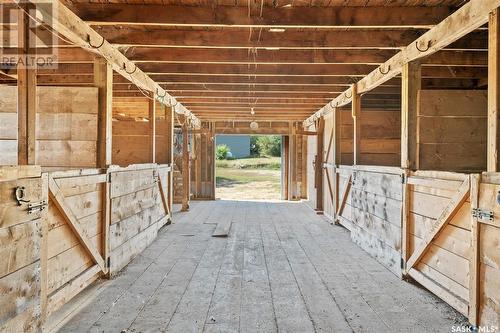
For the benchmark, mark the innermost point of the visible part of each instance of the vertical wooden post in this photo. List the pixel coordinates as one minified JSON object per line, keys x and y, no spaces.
{"x":493,"y":89}
{"x":169,"y":118}
{"x":199,"y":153}
{"x":44,"y":251}
{"x":211,"y":157}
{"x":318,"y":170}
{"x":26,"y":95}
{"x":405,"y":232}
{"x":152,"y":130}
{"x":356,"y":115}
{"x":292,"y":157}
{"x":185,"y":165}
{"x":303,"y":174}
{"x":337,"y":160}
{"x":474,"y":258}
{"x":337,"y":137}
{"x":410,"y":85}
{"x":285,"y":162}
{"x":103,"y":80}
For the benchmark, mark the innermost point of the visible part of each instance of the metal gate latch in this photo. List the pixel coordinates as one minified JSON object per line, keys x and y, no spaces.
{"x":20,"y":193}
{"x":34,"y":207}
{"x":482,"y":214}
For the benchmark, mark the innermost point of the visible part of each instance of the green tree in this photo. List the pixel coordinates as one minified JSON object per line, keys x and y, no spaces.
{"x":268,"y":145}
{"x":222,"y":151}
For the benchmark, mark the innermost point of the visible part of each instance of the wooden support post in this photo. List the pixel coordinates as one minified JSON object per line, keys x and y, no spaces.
{"x":318,"y":170}
{"x":356,"y":115}
{"x":198,"y":164}
{"x":26,"y":94}
{"x":152,"y":130}
{"x":169,"y":118}
{"x":303,"y":169}
{"x":474,"y":257}
{"x":185,"y":165}
{"x":285,"y":162}
{"x":211,"y":158}
{"x":410,"y":85}
{"x":292,"y":157}
{"x":103,"y":80}
{"x":337,"y":160}
{"x":493,"y":89}
{"x":337,"y":132}
{"x":405,"y":230}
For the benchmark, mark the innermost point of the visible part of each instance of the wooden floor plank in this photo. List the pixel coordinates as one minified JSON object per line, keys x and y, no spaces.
{"x":282,"y":268}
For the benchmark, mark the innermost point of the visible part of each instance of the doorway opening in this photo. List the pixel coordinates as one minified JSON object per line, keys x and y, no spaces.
{"x":248,"y":167}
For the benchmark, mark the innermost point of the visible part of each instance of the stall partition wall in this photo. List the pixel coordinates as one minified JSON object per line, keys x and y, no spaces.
{"x":66,"y":126}
{"x":62,"y":230}
{"x":438,"y":227}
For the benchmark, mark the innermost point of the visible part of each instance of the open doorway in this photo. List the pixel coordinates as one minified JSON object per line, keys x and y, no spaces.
{"x":248,"y":167}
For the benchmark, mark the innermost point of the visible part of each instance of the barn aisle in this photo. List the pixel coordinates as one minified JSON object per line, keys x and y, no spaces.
{"x":283,"y":268}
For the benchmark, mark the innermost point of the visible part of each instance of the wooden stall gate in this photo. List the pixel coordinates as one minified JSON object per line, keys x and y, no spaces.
{"x":62,"y":230}
{"x":368,"y":201}
{"x":441,"y":229}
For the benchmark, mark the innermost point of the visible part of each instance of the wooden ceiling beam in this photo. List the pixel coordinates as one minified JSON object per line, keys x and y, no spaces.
{"x":297,"y":57}
{"x":236,"y":16}
{"x":467,"y":18}
{"x":69,"y":25}
{"x":275,"y":71}
{"x":274,"y":57}
{"x":294,"y":39}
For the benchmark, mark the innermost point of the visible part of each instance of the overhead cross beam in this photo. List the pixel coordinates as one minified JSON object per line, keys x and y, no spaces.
{"x":291,"y":39}
{"x":238,"y":16}
{"x":66,"y":23}
{"x":469,"y":17}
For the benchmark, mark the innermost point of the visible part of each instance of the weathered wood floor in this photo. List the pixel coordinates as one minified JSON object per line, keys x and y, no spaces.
{"x":283,"y":268}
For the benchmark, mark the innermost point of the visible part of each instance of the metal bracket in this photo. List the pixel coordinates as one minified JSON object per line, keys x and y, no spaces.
{"x":403,"y":178}
{"x":39,"y":206}
{"x":482,"y":214}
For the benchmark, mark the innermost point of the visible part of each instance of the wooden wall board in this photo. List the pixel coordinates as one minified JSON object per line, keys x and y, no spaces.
{"x":8,"y":125}
{"x":451,"y":124}
{"x":66,"y":131}
{"x":20,"y":248}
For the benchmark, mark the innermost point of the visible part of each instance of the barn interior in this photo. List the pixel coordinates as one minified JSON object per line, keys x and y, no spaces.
{"x":389,"y":218}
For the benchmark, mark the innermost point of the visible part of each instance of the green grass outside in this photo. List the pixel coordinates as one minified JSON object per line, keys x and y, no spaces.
{"x":266,"y":163}
{"x":249,"y":178}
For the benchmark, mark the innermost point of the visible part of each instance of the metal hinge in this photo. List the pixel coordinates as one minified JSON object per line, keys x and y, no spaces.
{"x":403,"y":178}
{"x":482,"y":214}
{"x":34,"y":207}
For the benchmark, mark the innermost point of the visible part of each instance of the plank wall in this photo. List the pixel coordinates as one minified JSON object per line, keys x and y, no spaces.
{"x":452,"y":130}
{"x":20,"y":244}
{"x":131,"y":142}
{"x":380,"y":138}
{"x":66,"y":131}
{"x":8,"y":125}
{"x":137,"y":213}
